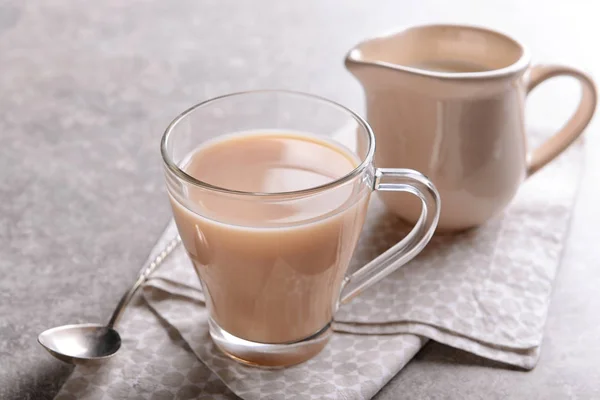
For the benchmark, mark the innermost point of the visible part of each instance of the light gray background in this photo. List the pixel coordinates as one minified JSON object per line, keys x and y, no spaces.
{"x":86,"y":88}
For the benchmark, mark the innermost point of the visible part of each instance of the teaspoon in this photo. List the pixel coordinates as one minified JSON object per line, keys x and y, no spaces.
{"x":92,"y":342}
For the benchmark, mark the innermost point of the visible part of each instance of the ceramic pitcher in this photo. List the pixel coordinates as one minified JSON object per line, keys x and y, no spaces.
{"x":448,"y":100}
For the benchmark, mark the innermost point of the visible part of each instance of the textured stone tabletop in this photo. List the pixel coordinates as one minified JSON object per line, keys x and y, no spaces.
{"x":86,"y":89}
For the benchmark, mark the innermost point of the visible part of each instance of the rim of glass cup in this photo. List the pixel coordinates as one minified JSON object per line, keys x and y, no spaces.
{"x":365,"y":162}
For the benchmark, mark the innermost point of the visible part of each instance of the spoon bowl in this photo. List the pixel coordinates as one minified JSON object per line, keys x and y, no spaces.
{"x":81,"y":343}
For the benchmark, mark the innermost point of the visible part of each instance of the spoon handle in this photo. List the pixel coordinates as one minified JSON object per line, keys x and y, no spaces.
{"x":143,"y":276}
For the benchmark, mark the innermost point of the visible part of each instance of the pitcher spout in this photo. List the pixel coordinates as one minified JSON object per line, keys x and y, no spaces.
{"x":366,"y":68}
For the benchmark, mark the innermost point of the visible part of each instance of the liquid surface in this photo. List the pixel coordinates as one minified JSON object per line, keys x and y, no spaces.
{"x":269,"y":162}
{"x":271,"y":270}
{"x":450,"y":66}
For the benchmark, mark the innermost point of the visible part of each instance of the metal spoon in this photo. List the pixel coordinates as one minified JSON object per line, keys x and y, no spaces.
{"x":92,"y":342}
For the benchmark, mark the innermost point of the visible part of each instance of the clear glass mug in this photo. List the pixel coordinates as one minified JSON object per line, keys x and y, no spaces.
{"x":272,"y":287}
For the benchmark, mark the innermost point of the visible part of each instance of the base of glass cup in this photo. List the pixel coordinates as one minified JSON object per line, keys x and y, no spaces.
{"x":269,"y":355}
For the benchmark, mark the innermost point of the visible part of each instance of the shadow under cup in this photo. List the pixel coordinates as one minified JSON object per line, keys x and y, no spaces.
{"x":272,"y":284}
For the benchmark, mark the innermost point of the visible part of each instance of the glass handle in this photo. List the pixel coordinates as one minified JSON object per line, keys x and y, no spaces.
{"x":398,"y":180}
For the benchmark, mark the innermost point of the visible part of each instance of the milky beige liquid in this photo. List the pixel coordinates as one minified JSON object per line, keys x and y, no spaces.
{"x":450,"y":66}
{"x":272,"y":270}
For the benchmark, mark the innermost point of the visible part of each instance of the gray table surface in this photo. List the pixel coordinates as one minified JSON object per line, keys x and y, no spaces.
{"x":86,"y":89}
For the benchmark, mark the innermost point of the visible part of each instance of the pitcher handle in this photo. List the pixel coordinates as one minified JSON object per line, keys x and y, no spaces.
{"x":398,"y":180}
{"x":574,"y":126}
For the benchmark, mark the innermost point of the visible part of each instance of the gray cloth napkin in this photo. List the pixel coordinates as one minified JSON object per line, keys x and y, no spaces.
{"x":485,"y":291}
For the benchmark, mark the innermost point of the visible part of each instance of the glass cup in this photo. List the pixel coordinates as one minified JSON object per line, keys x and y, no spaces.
{"x":272,"y":285}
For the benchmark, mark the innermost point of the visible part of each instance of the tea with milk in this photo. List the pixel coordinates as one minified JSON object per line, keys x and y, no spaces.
{"x":273,"y":271}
